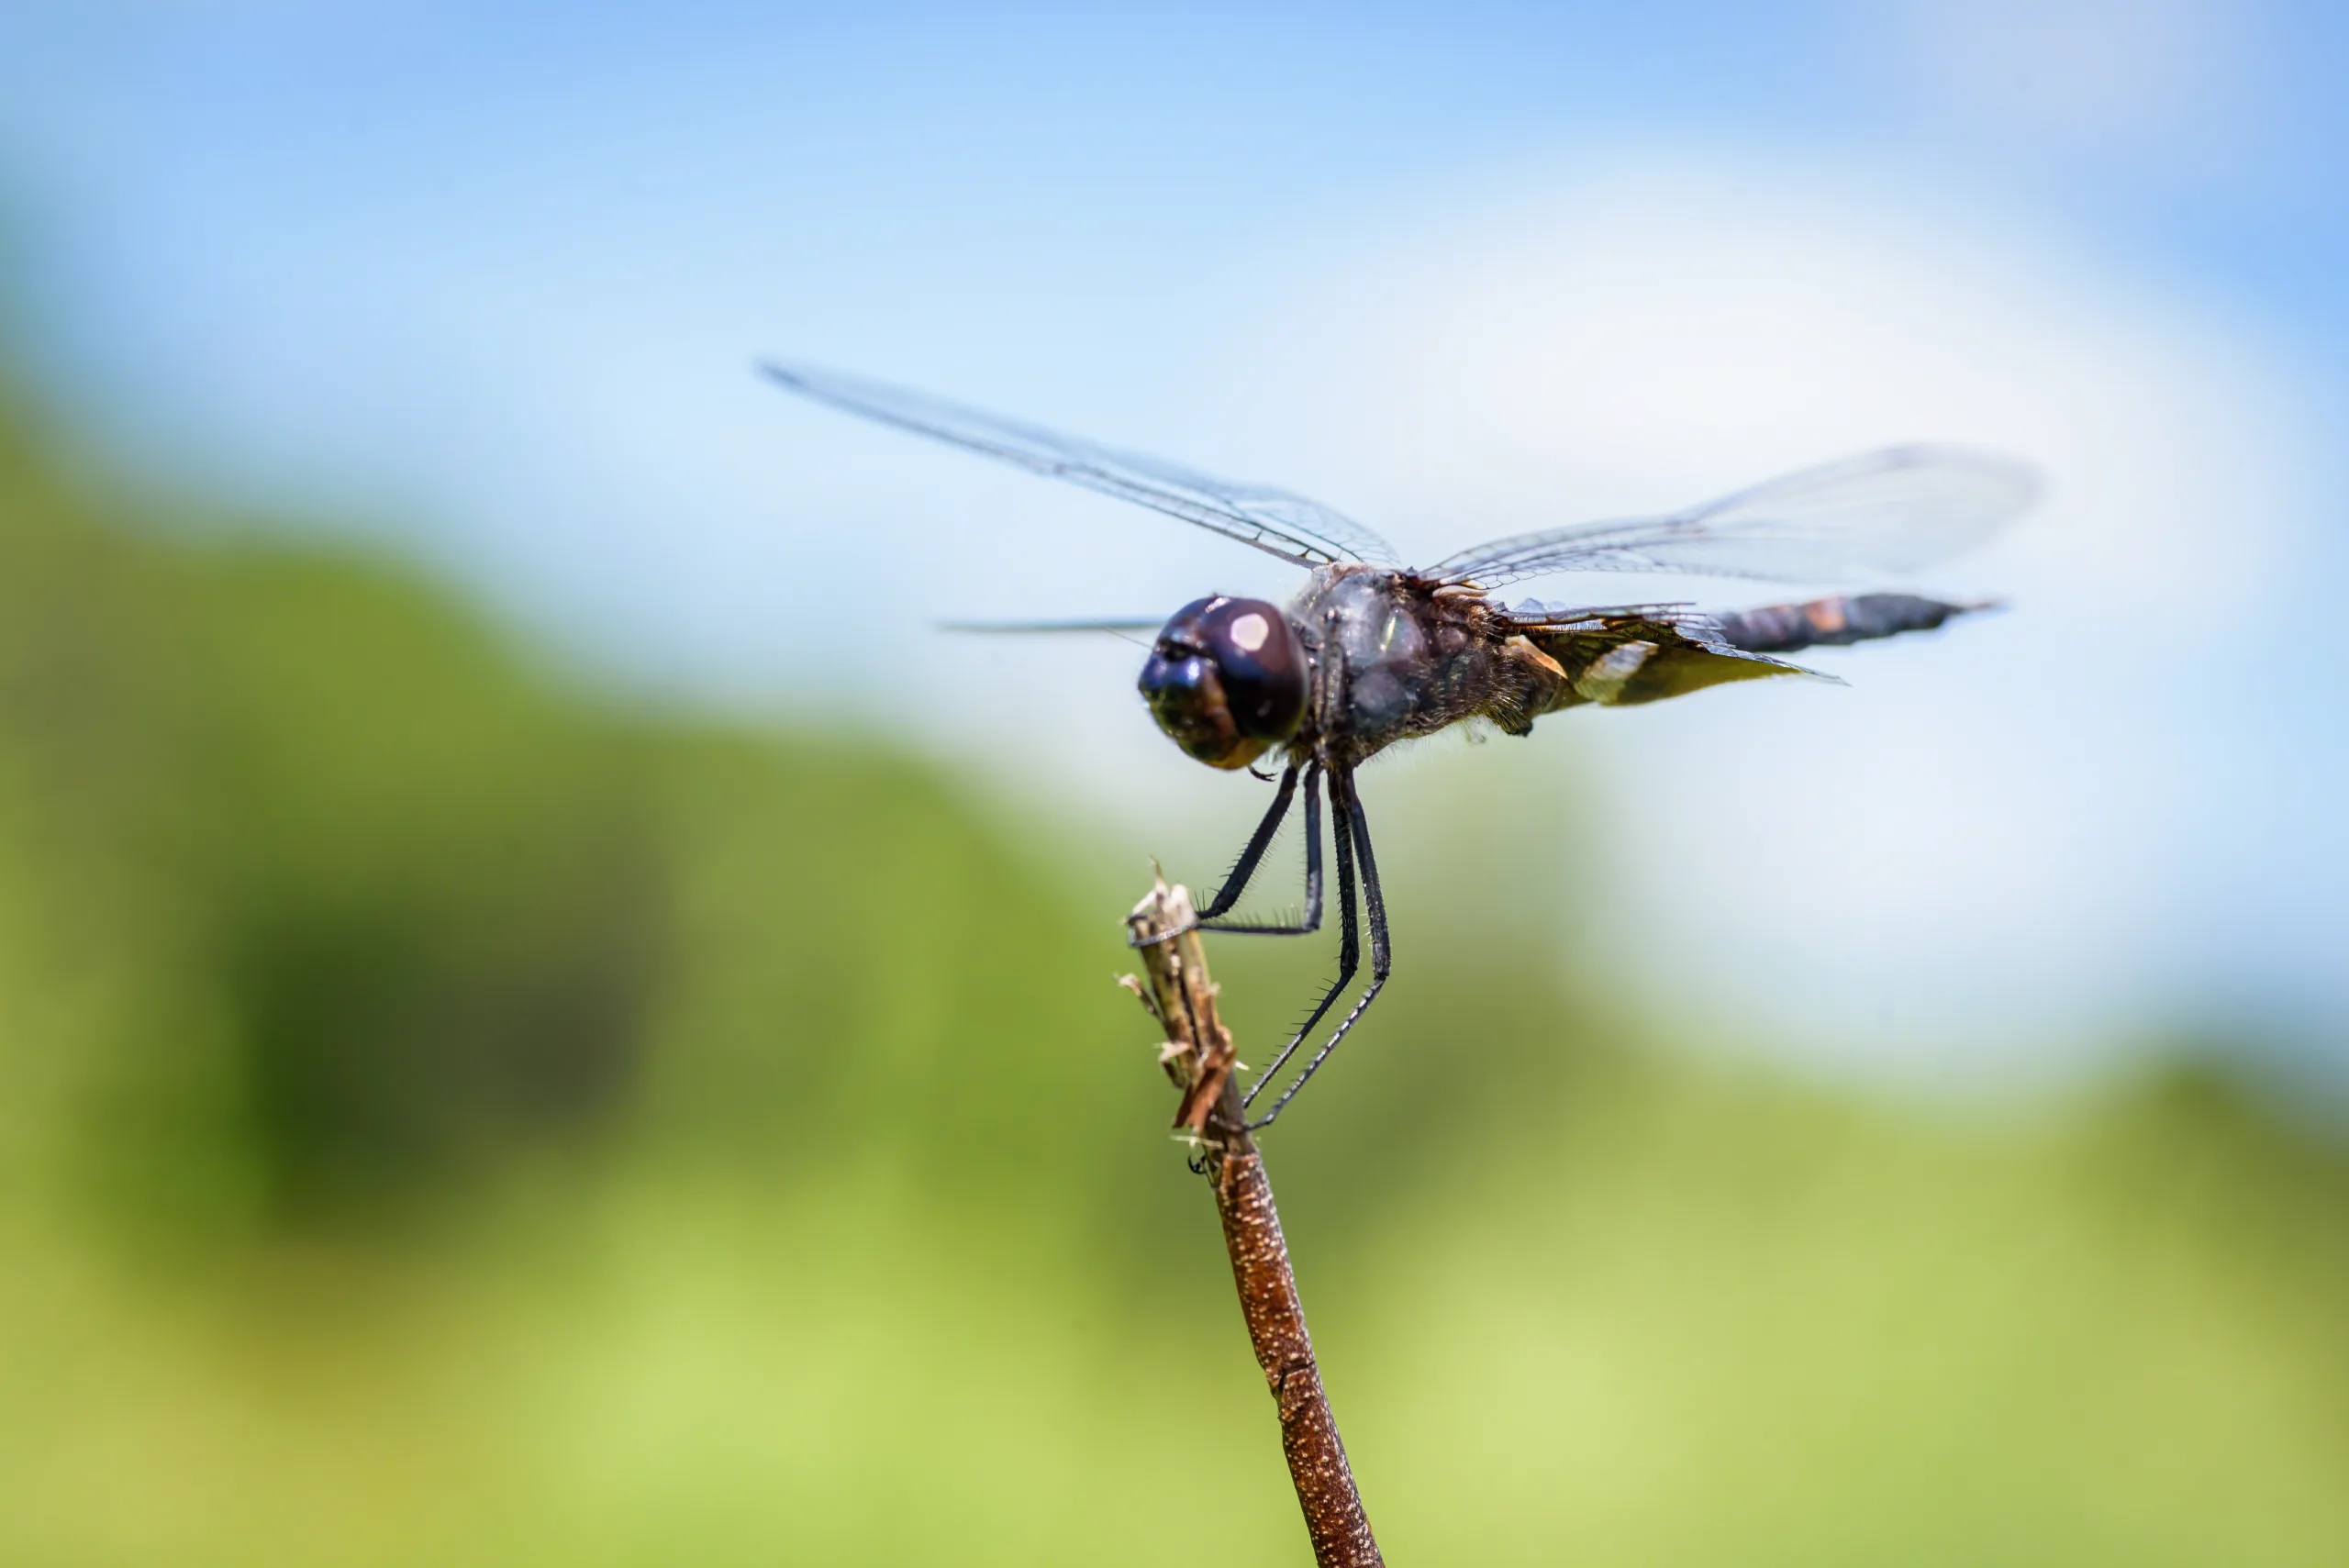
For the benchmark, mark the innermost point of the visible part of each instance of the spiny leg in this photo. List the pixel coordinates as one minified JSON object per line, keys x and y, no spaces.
{"x":1254,"y":853}
{"x":1346,"y":807}
{"x":1349,"y":936}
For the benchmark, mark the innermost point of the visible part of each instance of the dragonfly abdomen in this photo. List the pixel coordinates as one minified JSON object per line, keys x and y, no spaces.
{"x":1836,"y":622}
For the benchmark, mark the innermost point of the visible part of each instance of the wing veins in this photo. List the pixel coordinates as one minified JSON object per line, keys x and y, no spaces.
{"x":1293,"y":527}
{"x":1894,"y":509}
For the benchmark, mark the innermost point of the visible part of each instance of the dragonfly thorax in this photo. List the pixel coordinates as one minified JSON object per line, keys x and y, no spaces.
{"x":1227,"y":679}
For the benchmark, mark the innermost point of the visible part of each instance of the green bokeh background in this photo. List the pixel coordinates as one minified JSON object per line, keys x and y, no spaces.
{"x":450,"y":1116}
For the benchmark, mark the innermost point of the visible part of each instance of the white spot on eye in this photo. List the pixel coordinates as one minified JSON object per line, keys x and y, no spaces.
{"x":1250,"y":632}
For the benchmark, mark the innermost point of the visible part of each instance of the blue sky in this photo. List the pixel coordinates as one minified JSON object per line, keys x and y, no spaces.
{"x":489,"y":278}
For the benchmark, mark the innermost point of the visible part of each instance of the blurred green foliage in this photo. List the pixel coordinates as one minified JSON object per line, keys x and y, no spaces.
{"x":450,"y":1117}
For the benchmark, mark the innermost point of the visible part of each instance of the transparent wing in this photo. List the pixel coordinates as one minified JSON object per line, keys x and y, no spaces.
{"x":1529,"y":613}
{"x":1117,"y":624}
{"x":1893,"y":510}
{"x":1275,"y":521}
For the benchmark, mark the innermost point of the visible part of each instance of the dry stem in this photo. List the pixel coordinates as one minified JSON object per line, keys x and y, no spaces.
{"x":1198,"y":1057}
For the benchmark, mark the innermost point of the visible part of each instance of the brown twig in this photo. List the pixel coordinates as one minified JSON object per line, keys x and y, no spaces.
{"x":1198,"y":1056}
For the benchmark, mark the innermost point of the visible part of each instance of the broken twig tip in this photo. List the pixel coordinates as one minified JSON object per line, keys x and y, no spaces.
{"x":1211,"y":1121}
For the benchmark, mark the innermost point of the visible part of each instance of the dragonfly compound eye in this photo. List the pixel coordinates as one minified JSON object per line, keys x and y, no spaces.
{"x":1225,"y":680}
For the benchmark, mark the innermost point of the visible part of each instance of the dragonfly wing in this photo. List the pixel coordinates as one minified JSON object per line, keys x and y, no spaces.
{"x":1630,"y":654}
{"x":1276,"y":521}
{"x":1893,"y":510}
{"x":1120,"y":625}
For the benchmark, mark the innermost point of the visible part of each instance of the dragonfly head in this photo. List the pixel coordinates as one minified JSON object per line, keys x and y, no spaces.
{"x":1227,"y":679}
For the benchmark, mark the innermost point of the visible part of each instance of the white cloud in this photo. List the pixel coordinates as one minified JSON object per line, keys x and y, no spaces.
{"x":2097,"y":73}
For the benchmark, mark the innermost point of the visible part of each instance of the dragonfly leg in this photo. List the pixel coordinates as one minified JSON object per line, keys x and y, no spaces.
{"x":1252,"y":854}
{"x":1349,"y":937}
{"x":1346,"y":807}
{"x":1228,"y":894}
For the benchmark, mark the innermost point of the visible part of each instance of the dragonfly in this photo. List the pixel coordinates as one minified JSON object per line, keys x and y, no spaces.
{"x":1370,"y":653}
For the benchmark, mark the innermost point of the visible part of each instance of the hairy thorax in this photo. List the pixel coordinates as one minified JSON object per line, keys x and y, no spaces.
{"x":1396,"y":657}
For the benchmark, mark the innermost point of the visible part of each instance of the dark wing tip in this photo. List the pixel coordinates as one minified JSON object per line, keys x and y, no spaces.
{"x":782,"y":372}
